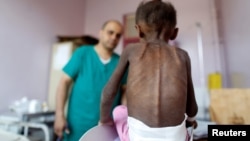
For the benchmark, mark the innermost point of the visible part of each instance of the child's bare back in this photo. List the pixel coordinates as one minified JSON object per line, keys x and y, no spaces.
{"x":159,"y":88}
{"x":157,"y":84}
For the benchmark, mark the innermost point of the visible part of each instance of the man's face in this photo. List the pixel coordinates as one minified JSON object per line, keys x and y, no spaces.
{"x":110,"y":35}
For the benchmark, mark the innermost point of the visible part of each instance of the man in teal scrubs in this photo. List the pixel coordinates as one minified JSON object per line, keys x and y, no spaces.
{"x":89,"y":69}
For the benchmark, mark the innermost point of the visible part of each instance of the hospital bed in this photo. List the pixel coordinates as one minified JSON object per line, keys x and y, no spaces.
{"x":9,"y":136}
{"x":20,"y":129}
{"x":12,"y":136}
{"x":109,"y":133}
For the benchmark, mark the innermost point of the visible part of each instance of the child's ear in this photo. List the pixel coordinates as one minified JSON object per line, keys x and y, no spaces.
{"x":139,"y":30}
{"x":137,"y":27}
{"x":174,"y":34}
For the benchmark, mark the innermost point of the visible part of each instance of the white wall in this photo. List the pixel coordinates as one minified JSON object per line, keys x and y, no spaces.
{"x":28,"y":28}
{"x":234,"y":21}
{"x":189,"y":13}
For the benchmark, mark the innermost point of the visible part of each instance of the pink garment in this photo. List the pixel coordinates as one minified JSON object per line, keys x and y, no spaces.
{"x":120,"y":115}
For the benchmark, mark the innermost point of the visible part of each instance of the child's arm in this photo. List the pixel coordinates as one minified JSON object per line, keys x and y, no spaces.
{"x":191,"y":107}
{"x":191,"y":121}
{"x":123,"y":99}
{"x":113,"y":85}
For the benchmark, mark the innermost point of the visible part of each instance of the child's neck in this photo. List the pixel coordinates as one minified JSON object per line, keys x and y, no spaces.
{"x":154,"y":37}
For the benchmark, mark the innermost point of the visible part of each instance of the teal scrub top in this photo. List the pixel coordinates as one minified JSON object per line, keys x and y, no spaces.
{"x":90,"y":76}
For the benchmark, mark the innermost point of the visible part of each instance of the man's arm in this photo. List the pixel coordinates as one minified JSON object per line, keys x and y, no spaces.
{"x":112,"y":87}
{"x":61,"y":97}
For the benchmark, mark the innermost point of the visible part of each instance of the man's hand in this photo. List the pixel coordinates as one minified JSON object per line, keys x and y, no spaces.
{"x":60,"y":125}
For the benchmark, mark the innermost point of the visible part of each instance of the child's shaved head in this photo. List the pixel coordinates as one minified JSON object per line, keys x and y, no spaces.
{"x":157,"y":14}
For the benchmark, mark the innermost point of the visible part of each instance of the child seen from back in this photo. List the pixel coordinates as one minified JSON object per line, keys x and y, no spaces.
{"x":160,"y":94}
